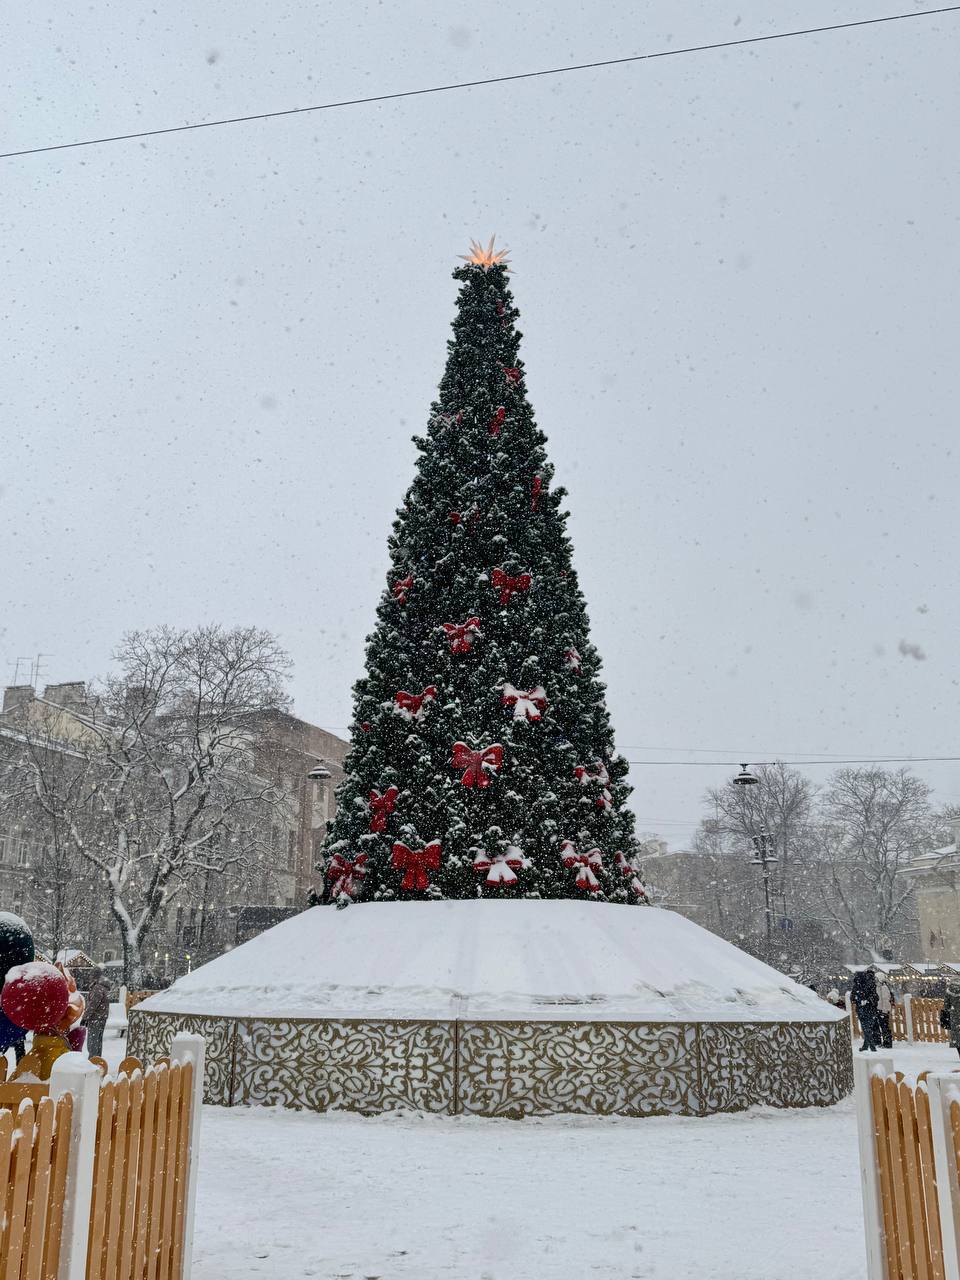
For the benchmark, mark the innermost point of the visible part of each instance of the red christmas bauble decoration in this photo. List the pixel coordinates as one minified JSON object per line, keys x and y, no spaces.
{"x":35,"y":996}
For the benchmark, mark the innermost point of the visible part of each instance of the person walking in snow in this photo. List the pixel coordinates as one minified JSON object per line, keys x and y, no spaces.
{"x":885,"y":1002}
{"x":95,"y":1014}
{"x":950,"y":1013}
{"x":863,"y":994}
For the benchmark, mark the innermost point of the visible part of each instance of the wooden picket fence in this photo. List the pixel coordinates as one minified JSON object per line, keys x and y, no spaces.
{"x":914,"y":1019}
{"x":102,"y":1171}
{"x":34,"y":1146}
{"x":909,"y":1135}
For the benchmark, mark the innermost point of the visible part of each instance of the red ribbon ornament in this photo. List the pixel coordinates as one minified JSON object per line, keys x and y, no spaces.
{"x":536,"y":488}
{"x":598,"y":773}
{"x":461,"y":635}
{"x":508,"y":586}
{"x":381,"y":807}
{"x":412,"y":705}
{"x":478,"y":766}
{"x":501,"y":870}
{"x":345,"y":875}
{"x":587,"y":864}
{"x":512,"y":375}
{"x":527,"y":704}
{"x":624,"y":865}
{"x":415,"y":865}
{"x":401,"y":588}
{"x":572,"y":660}
{"x":495,"y":424}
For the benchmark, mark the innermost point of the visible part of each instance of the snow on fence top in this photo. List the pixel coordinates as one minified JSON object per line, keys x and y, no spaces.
{"x":546,"y":960}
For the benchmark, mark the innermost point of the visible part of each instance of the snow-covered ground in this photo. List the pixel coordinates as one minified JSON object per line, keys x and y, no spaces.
{"x":768,"y":1195}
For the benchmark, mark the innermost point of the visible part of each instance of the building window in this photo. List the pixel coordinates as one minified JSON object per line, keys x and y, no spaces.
{"x":21,"y":851}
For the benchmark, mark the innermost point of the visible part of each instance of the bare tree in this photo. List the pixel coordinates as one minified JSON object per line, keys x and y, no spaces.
{"x":873,"y":822}
{"x":164,"y":781}
{"x":779,"y":807}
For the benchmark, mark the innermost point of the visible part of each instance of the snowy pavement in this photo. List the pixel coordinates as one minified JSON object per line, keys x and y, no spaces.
{"x":767,"y":1195}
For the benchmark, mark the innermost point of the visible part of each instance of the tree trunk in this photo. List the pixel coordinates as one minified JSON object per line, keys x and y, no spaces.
{"x":133,"y":972}
{"x":131,"y":940}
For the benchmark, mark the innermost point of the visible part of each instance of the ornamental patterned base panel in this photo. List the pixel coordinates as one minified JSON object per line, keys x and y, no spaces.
{"x":354,"y":1066}
{"x":594,"y":1068}
{"x":511,"y":1069}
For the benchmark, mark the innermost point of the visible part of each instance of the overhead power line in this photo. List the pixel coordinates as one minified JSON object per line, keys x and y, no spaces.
{"x":477,"y":84}
{"x":733,"y":764}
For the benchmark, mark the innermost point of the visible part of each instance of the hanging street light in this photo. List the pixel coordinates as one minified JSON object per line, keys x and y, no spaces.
{"x":762,"y":856}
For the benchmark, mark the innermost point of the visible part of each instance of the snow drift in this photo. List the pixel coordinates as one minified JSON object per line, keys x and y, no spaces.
{"x":563,"y":960}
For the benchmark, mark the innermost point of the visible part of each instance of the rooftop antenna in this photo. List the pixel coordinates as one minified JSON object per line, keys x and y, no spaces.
{"x":36,"y":668}
{"x":16,"y":669}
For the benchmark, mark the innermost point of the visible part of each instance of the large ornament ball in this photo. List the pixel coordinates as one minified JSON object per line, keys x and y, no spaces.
{"x":16,"y":942}
{"x":10,"y":1033}
{"x":35,"y":996}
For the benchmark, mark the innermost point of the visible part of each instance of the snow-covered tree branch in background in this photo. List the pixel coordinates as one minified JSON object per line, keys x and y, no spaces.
{"x":165,"y":774}
{"x":872,"y":823}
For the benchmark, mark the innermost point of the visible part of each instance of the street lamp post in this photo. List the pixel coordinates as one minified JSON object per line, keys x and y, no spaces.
{"x":762,"y":856}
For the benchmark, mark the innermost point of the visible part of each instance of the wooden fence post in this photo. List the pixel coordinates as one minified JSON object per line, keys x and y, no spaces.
{"x":908,"y":1017}
{"x":190,"y":1048}
{"x":75,"y":1073}
{"x":865,"y":1066}
{"x":943,"y":1089}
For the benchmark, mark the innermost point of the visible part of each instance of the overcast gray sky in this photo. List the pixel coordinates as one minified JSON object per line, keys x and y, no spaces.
{"x":738,"y":278}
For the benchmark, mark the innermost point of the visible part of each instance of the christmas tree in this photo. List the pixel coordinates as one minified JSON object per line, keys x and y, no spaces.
{"x":482,"y":760}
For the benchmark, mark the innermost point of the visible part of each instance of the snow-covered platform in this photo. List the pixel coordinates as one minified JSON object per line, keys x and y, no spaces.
{"x":502,"y":1008}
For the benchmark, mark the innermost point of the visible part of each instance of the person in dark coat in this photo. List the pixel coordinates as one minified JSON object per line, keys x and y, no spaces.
{"x":886,"y":999}
{"x":950,"y":1017}
{"x":865,"y":999}
{"x":96,"y":1012}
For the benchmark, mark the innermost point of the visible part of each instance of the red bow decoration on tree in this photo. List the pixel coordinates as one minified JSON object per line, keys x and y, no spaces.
{"x":528,"y":705}
{"x":497,"y":421}
{"x":630,"y":868}
{"x":512,"y":375}
{"x":508,"y":586}
{"x":536,"y":488}
{"x":572,"y":660}
{"x":345,"y":876}
{"x":381,"y":807}
{"x":415,"y":863}
{"x":597,"y":774}
{"x":501,"y":869}
{"x":401,"y":588}
{"x":462,"y":634}
{"x":478,"y":766}
{"x":412,"y":705}
{"x":588,"y":865}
